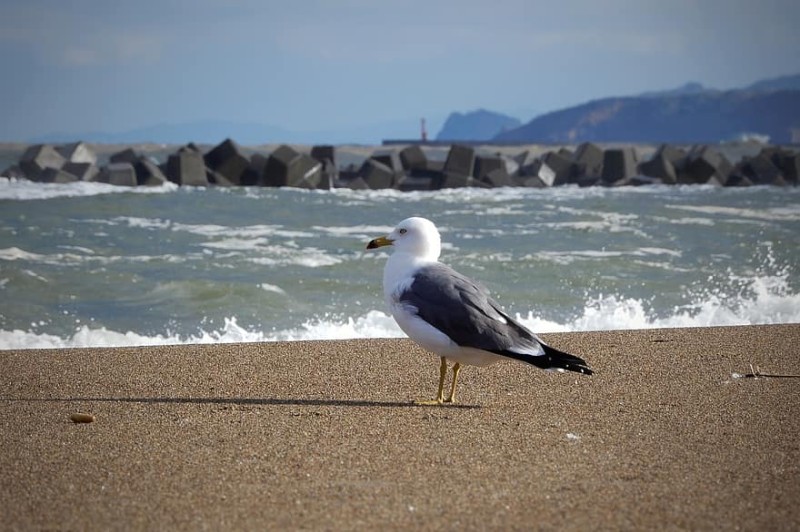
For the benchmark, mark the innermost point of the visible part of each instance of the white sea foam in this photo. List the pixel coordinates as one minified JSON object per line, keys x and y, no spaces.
{"x":763,"y":300}
{"x":21,"y":189}
{"x":139,"y":223}
{"x":207,"y":230}
{"x":309,"y":257}
{"x":687,"y":220}
{"x":15,"y":253}
{"x":357,"y":231}
{"x":237,"y":244}
{"x":72,"y":259}
{"x":780,"y":214}
{"x":80,"y":249}
{"x":601,"y":221}
{"x":35,"y":275}
{"x":567,"y":257}
{"x":374,"y":324}
{"x":470,"y":195}
{"x":248,"y":231}
{"x":271,"y":288}
{"x":271,"y":255}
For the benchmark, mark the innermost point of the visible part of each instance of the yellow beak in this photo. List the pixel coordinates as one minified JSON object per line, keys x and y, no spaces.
{"x":379,"y":242}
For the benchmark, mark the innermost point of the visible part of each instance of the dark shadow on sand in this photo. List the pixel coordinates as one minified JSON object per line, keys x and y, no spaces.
{"x":243,"y":401}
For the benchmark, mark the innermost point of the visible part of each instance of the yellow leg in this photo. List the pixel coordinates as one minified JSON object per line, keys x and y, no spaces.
{"x":456,"y":370}
{"x":440,"y":395}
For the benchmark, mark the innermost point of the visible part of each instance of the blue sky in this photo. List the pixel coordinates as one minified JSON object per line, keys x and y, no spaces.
{"x":306,"y":65}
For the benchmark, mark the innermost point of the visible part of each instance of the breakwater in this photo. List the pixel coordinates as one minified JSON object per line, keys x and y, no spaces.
{"x":413,"y":167}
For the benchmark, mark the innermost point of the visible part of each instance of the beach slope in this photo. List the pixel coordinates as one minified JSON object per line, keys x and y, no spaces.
{"x":324,"y":435}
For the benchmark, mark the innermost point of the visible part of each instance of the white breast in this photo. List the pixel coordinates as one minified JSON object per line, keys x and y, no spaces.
{"x":429,"y":337}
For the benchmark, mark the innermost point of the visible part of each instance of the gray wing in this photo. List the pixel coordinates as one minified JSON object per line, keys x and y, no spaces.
{"x":464,"y":311}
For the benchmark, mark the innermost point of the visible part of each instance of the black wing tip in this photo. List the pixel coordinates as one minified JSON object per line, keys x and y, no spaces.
{"x":584,"y":370}
{"x":555,"y":359}
{"x":552,"y":360}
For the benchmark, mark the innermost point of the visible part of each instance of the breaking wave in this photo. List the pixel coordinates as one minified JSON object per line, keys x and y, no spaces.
{"x":758,"y":301}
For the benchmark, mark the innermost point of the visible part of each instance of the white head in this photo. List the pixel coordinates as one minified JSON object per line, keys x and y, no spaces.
{"x":416,"y":236}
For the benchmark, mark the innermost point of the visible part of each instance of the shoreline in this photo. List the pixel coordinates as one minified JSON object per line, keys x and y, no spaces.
{"x":322,"y":434}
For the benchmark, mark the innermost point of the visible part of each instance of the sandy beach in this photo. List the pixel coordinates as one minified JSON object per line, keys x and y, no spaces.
{"x":324,"y":435}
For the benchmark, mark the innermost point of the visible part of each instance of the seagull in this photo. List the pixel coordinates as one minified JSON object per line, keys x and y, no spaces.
{"x":451,"y":315}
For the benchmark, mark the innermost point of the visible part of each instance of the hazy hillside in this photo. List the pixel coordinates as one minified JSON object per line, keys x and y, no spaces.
{"x":689,"y":88}
{"x":706,"y":116}
{"x":476,"y":125}
{"x":781,"y":83}
{"x":690,"y":113}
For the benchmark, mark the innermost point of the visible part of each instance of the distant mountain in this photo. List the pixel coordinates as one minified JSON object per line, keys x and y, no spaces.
{"x":214,"y":131}
{"x":476,"y":125}
{"x":689,"y":88}
{"x":776,"y":84}
{"x":690,"y":114}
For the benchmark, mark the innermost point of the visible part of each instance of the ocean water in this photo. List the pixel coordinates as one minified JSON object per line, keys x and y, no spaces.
{"x":95,"y":265}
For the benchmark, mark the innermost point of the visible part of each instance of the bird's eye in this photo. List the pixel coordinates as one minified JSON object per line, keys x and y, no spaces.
{"x":403,"y":231}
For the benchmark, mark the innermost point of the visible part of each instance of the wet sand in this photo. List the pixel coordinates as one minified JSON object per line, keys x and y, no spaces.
{"x":323,"y":435}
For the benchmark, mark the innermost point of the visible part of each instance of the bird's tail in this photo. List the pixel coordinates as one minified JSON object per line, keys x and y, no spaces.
{"x":553,"y":359}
